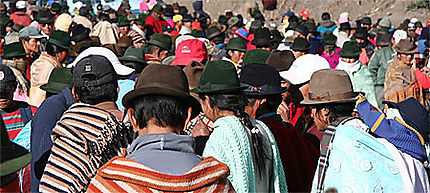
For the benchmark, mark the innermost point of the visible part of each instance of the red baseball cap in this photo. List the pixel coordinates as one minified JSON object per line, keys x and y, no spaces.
{"x":190,"y":50}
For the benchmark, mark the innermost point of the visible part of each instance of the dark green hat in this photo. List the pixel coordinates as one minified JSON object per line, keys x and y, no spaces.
{"x":123,"y":21}
{"x":256,"y":56}
{"x":237,"y":43}
{"x":161,"y":40}
{"x":13,"y":50}
{"x":158,"y":9}
{"x":329,"y":38}
{"x":55,"y":7}
{"x":350,"y":49}
{"x":197,"y":33}
{"x":60,"y":39}
{"x":141,"y":20}
{"x":59,"y":79}
{"x":133,"y":54}
{"x":219,"y":77}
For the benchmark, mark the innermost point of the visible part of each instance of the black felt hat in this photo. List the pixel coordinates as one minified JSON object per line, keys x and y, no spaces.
{"x":260,"y":80}
{"x":301,"y":44}
{"x":262,"y":37}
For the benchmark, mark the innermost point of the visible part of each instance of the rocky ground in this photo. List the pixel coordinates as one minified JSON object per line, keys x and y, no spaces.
{"x":395,"y":9}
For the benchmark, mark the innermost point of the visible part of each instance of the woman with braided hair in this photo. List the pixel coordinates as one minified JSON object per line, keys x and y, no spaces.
{"x":245,"y":145}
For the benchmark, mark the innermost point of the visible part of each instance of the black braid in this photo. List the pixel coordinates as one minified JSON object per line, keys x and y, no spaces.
{"x":237,"y":104}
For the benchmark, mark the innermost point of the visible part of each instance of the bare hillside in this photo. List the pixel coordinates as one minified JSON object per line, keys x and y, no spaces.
{"x":395,"y":9}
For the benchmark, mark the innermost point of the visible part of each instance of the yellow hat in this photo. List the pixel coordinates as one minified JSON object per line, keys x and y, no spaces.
{"x":177,"y":18}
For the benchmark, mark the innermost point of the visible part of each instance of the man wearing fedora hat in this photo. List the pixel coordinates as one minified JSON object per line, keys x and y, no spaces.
{"x":159,"y":107}
{"x":379,"y":62}
{"x":300,"y":47}
{"x":157,"y":48}
{"x":399,"y":73}
{"x":262,"y":39}
{"x":14,"y":56}
{"x":236,"y":49}
{"x":125,"y":30}
{"x":361,"y":37}
{"x":154,"y":22}
{"x":299,"y":156}
{"x":217,"y":38}
{"x":332,"y":100}
{"x":331,"y":51}
{"x":56,"y":51}
{"x":45,"y":20}
{"x":360,"y":76}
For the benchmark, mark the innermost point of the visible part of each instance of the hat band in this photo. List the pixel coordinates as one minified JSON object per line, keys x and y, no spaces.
{"x":216,"y":87}
{"x":164,"y":85}
{"x":20,"y":65}
{"x":331,"y":97}
{"x":261,"y":89}
{"x":157,"y":43}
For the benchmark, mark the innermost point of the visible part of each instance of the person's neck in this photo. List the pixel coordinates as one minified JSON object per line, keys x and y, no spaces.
{"x":224,"y":113}
{"x":155,"y":129}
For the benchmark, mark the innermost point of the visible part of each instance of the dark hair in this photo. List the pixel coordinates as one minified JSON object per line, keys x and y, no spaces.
{"x":150,"y":49}
{"x":103,"y":16}
{"x":272,"y":101}
{"x":52,"y":49}
{"x":219,"y":39}
{"x":237,"y":103}
{"x":165,"y":111}
{"x":97,"y":94}
{"x":336,"y":110}
{"x":137,"y":66}
{"x":7,"y":88}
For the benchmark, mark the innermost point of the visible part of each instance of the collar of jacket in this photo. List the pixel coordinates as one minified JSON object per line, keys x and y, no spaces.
{"x":162,"y":141}
{"x":207,"y":172}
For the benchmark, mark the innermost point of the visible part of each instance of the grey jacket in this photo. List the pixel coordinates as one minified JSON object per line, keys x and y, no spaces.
{"x":167,"y":153}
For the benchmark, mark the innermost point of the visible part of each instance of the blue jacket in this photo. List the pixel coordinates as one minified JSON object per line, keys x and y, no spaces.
{"x":49,"y":112}
{"x":401,"y":135}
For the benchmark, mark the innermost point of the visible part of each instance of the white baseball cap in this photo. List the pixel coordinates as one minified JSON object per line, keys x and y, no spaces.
{"x":100,"y":51}
{"x":303,"y":67}
{"x":20,"y":5}
{"x":399,"y":35}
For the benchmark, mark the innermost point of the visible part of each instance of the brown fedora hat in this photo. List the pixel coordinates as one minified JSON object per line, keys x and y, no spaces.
{"x":406,"y":46}
{"x":330,"y":86}
{"x":169,"y":80}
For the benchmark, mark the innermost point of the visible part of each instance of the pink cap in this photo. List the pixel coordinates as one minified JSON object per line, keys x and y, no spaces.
{"x":190,"y":50}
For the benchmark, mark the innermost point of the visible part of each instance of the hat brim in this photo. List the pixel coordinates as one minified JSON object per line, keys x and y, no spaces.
{"x":13,"y":55}
{"x":131,"y":59}
{"x":185,"y":61}
{"x":237,"y":49}
{"x":260,"y":43}
{"x":58,"y":43}
{"x":406,"y":52}
{"x":16,"y":157}
{"x":219,"y":91}
{"x":154,"y":90}
{"x":349,"y":55}
{"x":44,"y":20}
{"x":50,"y":88}
{"x":317,"y":102}
{"x":301,"y":49}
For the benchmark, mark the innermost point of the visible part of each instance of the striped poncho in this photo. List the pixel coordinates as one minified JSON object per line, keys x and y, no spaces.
{"x":84,"y":139}
{"x":126,"y":175}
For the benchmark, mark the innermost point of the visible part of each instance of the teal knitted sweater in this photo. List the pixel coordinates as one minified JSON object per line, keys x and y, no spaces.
{"x":229,"y":144}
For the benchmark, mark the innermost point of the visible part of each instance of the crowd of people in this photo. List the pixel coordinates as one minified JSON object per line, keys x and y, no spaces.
{"x":173,"y":100}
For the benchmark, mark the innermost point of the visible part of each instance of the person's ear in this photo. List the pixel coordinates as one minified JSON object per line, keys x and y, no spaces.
{"x":75,"y":96}
{"x":133,"y":120}
{"x":324,"y":115}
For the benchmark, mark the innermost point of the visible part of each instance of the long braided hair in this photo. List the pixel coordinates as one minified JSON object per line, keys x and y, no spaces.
{"x":237,"y":103}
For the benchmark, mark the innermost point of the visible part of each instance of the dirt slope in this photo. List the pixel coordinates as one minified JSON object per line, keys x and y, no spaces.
{"x":395,"y":9}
